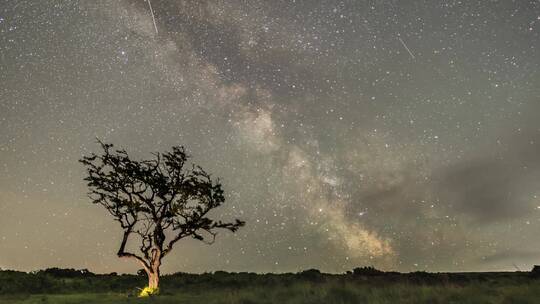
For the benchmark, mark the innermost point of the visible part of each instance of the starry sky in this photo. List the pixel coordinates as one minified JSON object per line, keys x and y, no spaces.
{"x":399,"y":134}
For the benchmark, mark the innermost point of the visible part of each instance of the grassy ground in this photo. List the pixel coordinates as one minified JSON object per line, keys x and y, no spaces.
{"x":314,"y":293}
{"x":248,"y":288}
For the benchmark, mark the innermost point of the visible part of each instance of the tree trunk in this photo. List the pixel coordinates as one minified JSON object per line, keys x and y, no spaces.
{"x":153,"y":274}
{"x":153,"y":279}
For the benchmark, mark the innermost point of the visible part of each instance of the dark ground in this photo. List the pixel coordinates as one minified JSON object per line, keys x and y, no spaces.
{"x":363,"y":285}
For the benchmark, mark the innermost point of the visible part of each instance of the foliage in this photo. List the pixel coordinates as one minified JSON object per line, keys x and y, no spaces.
{"x":66,"y":273}
{"x":241,"y":288}
{"x":535,"y":272}
{"x":159,"y":200}
{"x":367,"y":271}
{"x":329,"y":292}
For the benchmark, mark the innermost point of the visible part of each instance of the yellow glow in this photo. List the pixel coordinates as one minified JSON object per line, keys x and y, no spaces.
{"x":148,"y":292}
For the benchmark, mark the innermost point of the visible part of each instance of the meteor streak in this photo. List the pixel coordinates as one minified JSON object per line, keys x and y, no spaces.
{"x":405,"y":46}
{"x":153,"y":18}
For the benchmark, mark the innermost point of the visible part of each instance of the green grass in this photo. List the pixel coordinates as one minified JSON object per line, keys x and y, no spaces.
{"x":313,"y":293}
{"x":365,"y":286}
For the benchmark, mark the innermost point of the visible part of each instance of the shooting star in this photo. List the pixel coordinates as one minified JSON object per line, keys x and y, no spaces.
{"x":153,"y":18}
{"x":405,"y":46}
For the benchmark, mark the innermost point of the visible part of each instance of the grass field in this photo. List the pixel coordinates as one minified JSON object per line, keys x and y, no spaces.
{"x":221,"y":288}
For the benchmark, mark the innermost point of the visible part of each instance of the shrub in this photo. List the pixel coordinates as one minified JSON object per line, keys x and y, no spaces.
{"x":367,"y":271}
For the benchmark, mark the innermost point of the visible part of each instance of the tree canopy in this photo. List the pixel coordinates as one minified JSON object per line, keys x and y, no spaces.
{"x":161,"y":200}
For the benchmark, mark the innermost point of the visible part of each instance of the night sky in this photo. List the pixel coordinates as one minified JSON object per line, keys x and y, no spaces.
{"x":399,"y":134}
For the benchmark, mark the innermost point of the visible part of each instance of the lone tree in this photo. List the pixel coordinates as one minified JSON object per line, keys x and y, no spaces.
{"x":160,"y":201}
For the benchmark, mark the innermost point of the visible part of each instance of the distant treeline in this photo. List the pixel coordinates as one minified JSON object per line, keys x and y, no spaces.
{"x":57,"y":280}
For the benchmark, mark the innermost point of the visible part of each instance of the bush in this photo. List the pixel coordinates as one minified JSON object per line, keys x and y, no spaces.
{"x":367,"y":271}
{"x":535,"y":272}
{"x":313,"y":275}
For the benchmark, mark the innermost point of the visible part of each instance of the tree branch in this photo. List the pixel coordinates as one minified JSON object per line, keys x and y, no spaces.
{"x":123,"y":254}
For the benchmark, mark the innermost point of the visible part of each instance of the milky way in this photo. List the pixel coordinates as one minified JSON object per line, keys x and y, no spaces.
{"x":399,"y":134}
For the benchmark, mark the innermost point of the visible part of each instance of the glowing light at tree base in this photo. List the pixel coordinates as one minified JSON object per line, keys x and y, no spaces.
{"x":148,"y":292}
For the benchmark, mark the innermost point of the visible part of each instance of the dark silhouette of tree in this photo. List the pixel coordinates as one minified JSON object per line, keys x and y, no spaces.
{"x":160,"y":201}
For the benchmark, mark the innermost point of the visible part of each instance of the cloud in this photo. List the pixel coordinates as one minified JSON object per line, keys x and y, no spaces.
{"x":510,"y":257}
{"x":490,"y":188}
{"x":482,"y":189}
